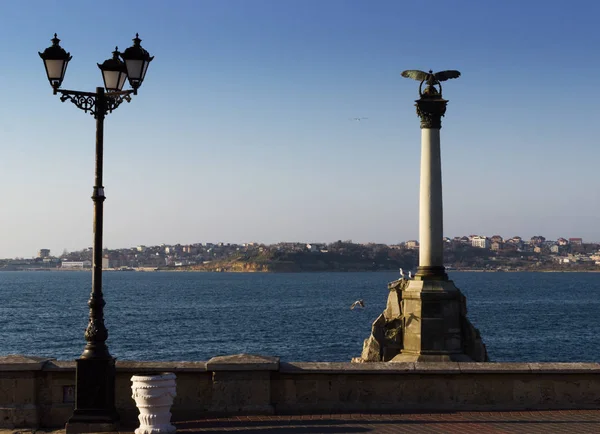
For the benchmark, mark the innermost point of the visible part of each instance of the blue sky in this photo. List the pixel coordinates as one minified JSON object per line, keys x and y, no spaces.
{"x":241,"y":131}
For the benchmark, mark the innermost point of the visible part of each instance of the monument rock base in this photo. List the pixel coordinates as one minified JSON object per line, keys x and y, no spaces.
{"x":424,"y":321}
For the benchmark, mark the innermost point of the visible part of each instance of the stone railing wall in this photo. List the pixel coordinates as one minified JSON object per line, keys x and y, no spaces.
{"x":37,"y":392}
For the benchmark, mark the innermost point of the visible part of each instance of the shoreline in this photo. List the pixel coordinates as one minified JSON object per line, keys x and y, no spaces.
{"x":179,"y":270}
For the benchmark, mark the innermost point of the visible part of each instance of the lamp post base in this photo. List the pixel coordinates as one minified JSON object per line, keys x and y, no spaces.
{"x":91,"y":427}
{"x":95,"y":397}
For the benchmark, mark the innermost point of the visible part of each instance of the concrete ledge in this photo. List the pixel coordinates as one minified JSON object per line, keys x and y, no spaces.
{"x":152,"y":367}
{"x":38,"y":392}
{"x":494,"y":368}
{"x":564,"y":368}
{"x":345,"y":368}
{"x":17,"y":362}
{"x":437,"y":367}
{"x":59,"y":365}
{"x":130,"y":366}
{"x":243,"y":362}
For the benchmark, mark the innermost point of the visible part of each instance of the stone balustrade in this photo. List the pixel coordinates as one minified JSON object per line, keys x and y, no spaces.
{"x":38,"y":392}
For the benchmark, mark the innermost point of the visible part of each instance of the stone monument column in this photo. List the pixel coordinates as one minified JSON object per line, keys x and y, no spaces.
{"x":430,"y":108}
{"x":425,"y":319}
{"x":435,"y":327}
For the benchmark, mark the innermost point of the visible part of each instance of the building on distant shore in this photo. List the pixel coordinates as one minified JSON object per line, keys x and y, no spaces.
{"x":76,"y":265}
{"x":412,"y":244}
{"x":576,"y":241}
{"x":43,"y":253}
{"x":190,"y":250}
{"x":481,"y":242}
{"x":315,"y":247}
{"x":496,"y":239}
{"x":496,"y":245}
{"x":537,"y":240}
{"x":515,"y":241}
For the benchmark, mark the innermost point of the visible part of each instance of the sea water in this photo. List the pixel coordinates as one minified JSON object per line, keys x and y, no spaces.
{"x":174,"y":316}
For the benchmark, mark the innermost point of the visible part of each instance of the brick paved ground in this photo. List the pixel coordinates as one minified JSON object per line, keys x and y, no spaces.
{"x":575,"y":421}
{"x":530,"y":422}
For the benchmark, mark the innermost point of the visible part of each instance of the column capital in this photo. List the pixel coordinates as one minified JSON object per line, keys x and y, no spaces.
{"x":431,"y":108}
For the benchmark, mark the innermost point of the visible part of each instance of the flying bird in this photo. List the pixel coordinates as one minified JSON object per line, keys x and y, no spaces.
{"x":357,"y":119}
{"x":358,"y":303}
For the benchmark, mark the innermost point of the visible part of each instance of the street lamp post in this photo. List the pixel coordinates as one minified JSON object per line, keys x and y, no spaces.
{"x":95,"y":375}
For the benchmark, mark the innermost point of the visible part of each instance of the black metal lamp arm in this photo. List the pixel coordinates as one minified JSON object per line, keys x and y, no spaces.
{"x":88,"y":101}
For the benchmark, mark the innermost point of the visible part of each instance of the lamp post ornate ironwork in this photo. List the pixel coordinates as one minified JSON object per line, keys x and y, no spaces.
{"x":95,"y":375}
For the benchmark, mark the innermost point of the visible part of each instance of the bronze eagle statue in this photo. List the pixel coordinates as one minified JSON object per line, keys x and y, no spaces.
{"x":430,"y":78}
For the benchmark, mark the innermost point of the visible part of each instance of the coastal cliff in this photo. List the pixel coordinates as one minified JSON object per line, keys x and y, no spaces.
{"x":295,"y":262}
{"x":229,"y":266}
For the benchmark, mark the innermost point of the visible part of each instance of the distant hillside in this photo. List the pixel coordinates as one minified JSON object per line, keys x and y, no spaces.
{"x":306,"y":261}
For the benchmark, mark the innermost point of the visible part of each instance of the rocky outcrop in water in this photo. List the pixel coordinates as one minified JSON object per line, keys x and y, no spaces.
{"x":385,"y":341}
